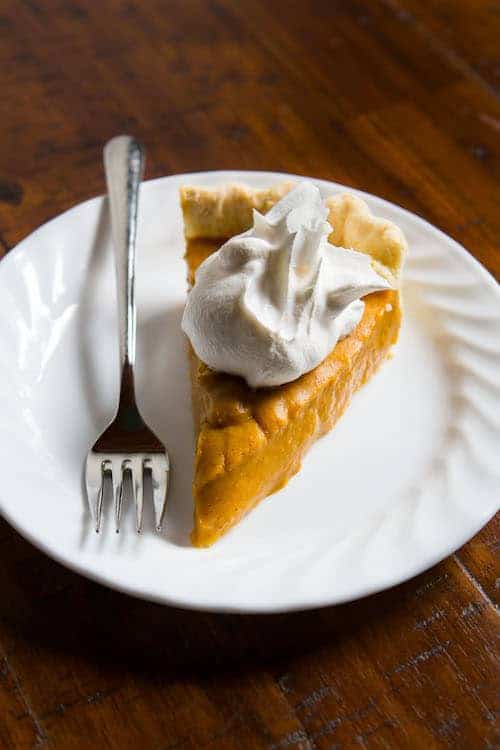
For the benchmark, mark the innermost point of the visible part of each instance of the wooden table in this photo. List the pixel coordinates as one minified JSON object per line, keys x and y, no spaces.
{"x":392,"y":96}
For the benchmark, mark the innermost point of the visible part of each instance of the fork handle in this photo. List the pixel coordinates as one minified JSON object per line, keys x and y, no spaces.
{"x":124,"y":167}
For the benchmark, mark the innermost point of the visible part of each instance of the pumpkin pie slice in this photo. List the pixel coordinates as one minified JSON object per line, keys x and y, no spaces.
{"x":250,"y":442}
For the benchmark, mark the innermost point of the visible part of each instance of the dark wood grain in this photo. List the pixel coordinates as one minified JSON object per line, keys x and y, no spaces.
{"x":467,"y":30}
{"x":396,"y":97}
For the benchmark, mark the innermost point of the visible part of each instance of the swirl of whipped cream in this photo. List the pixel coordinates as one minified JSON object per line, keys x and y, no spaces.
{"x":273,"y":302}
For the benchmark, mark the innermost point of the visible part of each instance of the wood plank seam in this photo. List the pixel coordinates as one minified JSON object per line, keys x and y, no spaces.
{"x":489,"y":714}
{"x":432,"y":39}
{"x":473,"y":580}
{"x":298,"y":735}
{"x":42,"y":738}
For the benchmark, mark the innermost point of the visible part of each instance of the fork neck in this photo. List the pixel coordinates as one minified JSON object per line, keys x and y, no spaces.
{"x":128,"y":418}
{"x":127,"y":386}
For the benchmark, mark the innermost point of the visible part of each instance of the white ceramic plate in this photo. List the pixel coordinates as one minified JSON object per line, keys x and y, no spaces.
{"x":409,"y":474}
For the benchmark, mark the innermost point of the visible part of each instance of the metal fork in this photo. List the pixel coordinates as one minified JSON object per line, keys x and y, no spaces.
{"x":127,"y":463}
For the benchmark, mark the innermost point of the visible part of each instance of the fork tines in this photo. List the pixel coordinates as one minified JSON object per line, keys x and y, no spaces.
{"x":126,"y":480}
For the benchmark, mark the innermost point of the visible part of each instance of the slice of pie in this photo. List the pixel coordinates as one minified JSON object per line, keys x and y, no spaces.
{"x":250,"y":442}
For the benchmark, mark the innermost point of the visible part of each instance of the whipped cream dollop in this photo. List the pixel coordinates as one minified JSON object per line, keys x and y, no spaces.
{"x":273,"y":302}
